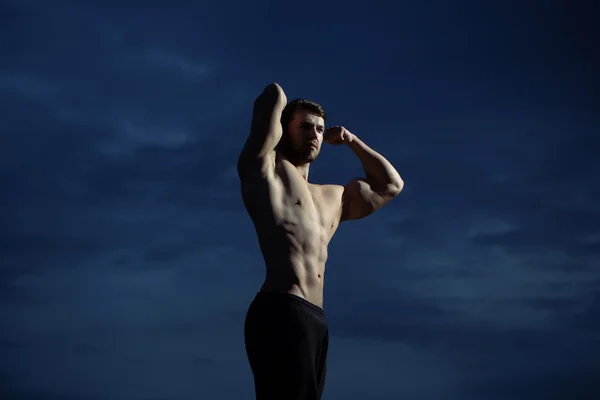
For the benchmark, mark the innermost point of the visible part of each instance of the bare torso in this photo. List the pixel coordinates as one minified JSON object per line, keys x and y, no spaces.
{"x":295,"y":221}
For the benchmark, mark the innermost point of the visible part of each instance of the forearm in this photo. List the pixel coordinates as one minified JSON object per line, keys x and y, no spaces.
{"x":265,"y":130}
{"x":380,"y":173}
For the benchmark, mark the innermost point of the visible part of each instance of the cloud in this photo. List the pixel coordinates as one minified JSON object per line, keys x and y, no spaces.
{"x":177,"y":62}
{"x":29,"y":87}
{"x":487,"y":261}
{"x":473,"y":348}
{"x":567,"y":229}
{"x":124,"y":237}
{"x":96,"y":166}
{"x":574,"y":383}
{"x":154,"y":322}
{"x":402,"y":371}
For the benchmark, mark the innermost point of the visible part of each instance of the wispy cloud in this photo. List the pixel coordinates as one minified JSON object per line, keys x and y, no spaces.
{"x":29,"y":86}
{"x":178,"y":63}
{"x":126,"y":252}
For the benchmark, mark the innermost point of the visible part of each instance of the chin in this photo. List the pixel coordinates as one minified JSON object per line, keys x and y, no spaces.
{"x":303,"y":156}
{"x":312,"y":157}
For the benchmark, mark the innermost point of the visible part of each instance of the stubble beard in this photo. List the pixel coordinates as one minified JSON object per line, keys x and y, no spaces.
{"x":299,"y":155}
{"x":306,"y":156}
{"x":302,"y":157}
{"x":312,"y":154}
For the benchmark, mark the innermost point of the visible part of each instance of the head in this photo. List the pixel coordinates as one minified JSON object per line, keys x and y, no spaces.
{"x":303,"y":123}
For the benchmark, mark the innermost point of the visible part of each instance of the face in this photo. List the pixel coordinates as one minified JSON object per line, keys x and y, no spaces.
{"x":305,"y":134}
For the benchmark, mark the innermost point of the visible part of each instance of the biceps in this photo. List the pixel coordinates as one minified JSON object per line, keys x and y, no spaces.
{"x":359,"y":200}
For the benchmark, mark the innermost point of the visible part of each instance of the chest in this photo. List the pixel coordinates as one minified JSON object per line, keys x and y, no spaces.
{"x":305,"y":202}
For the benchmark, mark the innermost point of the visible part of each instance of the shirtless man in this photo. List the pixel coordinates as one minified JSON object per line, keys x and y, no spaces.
{"x":285,"y":331}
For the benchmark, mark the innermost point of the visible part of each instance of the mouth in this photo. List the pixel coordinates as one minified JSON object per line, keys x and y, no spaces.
{"x":313,"y":146}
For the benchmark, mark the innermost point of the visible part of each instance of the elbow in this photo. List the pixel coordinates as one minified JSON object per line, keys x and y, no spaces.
{"x":400,"y":185}
{"x":272,"y":93}
{"x":389,"y":190}
{"x":394,"y":188}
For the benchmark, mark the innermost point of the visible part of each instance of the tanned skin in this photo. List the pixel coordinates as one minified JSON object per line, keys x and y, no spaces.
{"x":294,"y":219}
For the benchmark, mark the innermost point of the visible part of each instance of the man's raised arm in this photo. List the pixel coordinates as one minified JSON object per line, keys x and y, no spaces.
{"x":363,"y":196}
{"x":265,"y":130}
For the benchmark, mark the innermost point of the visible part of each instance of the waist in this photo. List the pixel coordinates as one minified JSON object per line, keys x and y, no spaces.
{"x":297,"y":277}
{"x":289,"y":299}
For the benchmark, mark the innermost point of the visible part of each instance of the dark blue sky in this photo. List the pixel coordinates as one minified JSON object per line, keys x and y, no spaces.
{"x":128,"y":262}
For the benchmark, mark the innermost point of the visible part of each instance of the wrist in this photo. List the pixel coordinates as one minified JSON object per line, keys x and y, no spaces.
{"x":351,"y":138}
{"x":352,"y":141}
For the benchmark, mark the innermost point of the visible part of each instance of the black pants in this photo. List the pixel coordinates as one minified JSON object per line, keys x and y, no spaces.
{"x":286,"y":342}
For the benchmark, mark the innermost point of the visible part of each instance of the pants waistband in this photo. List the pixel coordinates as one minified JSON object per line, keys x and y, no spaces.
{"x":278,"y":296}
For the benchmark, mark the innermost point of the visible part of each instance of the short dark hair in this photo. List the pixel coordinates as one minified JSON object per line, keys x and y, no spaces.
{"x":300,"y":104}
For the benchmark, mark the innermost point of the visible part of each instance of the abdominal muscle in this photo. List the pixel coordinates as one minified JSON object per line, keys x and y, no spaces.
{"x":303,"y":279}
{"x":294,"y":226}
{"x":295,"y":256}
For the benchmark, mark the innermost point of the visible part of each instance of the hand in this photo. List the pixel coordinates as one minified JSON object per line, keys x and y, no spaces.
{"x":338,"y":135}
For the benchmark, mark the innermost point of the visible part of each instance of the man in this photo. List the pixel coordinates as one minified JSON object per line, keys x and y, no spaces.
{"x":285,"y":330}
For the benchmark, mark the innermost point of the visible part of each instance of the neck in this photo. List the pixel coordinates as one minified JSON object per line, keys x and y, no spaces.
{"x":302,"y":168}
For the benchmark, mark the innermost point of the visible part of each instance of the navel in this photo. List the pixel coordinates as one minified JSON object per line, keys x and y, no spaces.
{"x":298,"y":203}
